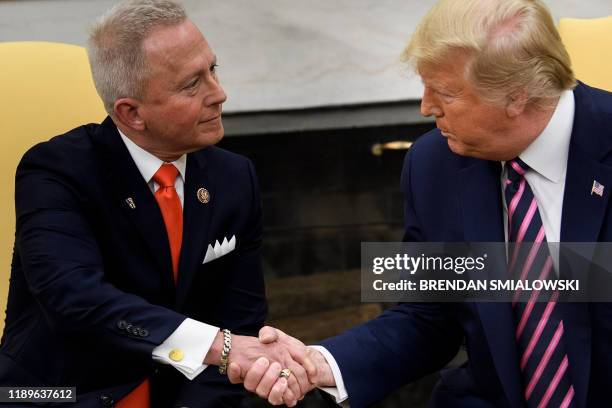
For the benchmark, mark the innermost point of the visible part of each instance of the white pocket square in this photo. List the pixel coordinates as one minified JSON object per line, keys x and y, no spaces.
{"x":219,"y":249}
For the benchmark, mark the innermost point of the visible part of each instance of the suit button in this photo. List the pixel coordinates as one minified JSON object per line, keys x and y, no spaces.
{"x":106,"y":401}
{"x":121,"y":324}
{"x":143,"y":332}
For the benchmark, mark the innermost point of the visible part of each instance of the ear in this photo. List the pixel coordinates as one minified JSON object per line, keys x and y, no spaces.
{"x":127,"y":113}
{"x":516,"y":103}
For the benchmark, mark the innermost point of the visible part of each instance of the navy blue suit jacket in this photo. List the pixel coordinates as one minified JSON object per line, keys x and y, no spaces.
{"x":450,"y":198}
{"x":86,"y":266}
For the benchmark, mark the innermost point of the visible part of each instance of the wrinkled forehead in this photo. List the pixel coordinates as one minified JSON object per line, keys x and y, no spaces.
{"x":166,"y":43}
{"x":443,"y":76}
{"x":177,"y":51}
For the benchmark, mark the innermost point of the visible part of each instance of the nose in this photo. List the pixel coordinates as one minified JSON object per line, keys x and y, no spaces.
{"x":216,"y":94}
{"x":429,"y":106}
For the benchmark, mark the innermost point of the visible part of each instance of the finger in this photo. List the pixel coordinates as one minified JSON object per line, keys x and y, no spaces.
{"x":300,"y":376}
{"x":276,"y":394}
{"x":268,"y":380}
{"x":294,"y":387}
{"x":255,"y":373}
{"x":311,"y":369}
{"x":309,"y":365}
{"x":233,"y":373}
{"x":268,"y":334}
{"x":289,"y":399}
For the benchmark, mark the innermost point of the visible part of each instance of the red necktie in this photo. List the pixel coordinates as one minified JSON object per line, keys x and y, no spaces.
{"x":172,"y":212}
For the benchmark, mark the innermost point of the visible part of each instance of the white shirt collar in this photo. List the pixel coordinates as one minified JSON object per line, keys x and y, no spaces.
{"x":548,"y":153}
{"x":147,"y":163}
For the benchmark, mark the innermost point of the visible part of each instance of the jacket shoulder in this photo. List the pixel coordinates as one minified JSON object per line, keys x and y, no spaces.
{"x":68,"y":149}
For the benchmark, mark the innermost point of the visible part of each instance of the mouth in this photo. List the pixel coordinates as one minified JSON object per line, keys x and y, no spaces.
{"x":211,"y":119}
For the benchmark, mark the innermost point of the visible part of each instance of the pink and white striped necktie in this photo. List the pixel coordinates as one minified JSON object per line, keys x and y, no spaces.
{"x":539,"y":328}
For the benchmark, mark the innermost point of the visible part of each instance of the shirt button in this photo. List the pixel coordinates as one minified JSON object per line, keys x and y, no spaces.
{"x":176,"y":355}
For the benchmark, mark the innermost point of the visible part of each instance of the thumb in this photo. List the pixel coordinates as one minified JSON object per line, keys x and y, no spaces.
{"x":268,"y":334}
{"x":233,"y":373}
{"x":311,"y":369}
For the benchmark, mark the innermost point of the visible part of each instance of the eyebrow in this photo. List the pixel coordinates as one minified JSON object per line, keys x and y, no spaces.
{"x":436,"y":86}
{"x":197,"y":73}
{"x":440,"y":88}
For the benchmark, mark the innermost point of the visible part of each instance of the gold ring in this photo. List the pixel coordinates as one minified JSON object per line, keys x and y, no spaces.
{"x":285,"y":373}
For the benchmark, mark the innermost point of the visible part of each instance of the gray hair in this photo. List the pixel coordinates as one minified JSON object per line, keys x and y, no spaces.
{"x":118,"y":63}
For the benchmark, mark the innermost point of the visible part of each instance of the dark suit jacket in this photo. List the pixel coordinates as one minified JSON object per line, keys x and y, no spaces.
{"x":86,"y":266}
{"x":449,"y":198}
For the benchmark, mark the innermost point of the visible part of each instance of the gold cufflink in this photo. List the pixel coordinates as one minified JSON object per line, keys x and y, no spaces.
{"x":176,"y":355}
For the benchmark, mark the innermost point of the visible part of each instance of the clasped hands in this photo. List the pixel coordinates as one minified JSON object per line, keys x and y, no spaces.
{"x":257,"y":362}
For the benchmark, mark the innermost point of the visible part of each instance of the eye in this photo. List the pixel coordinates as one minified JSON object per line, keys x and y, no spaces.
{"x":213,"y":68}
{"x":194,"y":83}
{"x":446,"y":98}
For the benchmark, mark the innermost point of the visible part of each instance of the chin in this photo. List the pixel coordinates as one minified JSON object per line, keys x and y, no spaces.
{"x":466,"y":151}
{"x":210,"y":138}
{"x":220,"y":134}
{"x":457,"y":148}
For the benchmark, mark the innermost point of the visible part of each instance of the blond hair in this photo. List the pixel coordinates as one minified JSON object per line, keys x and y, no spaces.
{"x":118,"y":63}
{"x":513,"y":47}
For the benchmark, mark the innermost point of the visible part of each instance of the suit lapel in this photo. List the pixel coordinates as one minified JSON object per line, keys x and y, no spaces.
{"x":581,"y":221}
{"x":482,"y":212}
{"x":196,"y":223}
{"x":583,"y":214}
{"x":134,"y":196}
{"x":583,"y":211}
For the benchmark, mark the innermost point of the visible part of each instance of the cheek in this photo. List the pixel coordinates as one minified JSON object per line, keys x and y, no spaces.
{"x":185,"y":115}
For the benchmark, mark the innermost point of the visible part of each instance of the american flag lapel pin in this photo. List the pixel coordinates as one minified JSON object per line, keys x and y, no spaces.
{"x":597,"y":188}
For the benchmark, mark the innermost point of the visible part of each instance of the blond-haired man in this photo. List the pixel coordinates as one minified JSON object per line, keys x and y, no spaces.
{"x":137,"y":239}
{"x":518,"y":148}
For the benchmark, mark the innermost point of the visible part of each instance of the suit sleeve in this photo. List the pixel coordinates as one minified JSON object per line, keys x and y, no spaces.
{"x":64,"y":270}
{"x":405,"y":342}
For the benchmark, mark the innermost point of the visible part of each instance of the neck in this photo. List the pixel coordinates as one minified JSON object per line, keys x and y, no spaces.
{"x":527,"y":127}
{"x":141,"y":141}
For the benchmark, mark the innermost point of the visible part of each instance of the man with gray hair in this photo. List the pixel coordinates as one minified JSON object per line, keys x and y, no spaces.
{"x":522,"y":153}
{"x":137,"y":240}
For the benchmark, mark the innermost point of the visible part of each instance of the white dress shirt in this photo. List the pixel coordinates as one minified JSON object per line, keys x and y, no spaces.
{"x":194,"y":338}
{"x":547,"y":158}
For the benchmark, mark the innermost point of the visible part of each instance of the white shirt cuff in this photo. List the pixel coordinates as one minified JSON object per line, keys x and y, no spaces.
{"x":186,"y":347}
{"x":339,"y":391}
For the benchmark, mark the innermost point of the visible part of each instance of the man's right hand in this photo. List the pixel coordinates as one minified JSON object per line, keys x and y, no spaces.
{"x":249,"y":355}
{"x":264,"y":377}
{"x":320,"y":375}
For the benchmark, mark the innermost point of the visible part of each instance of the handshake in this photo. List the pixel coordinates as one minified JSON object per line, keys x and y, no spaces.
{"x":275,"y":366}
